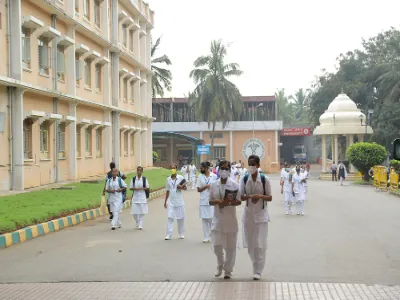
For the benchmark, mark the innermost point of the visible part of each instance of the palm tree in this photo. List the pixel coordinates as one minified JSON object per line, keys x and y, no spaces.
{"x":387,"y":79}
{"x":215,"y":98}
{"x":285,"y":108}
{"x":301,"y":104}
{"x":161,"y":77}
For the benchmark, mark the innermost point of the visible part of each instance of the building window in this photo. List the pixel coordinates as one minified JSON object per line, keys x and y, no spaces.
{"x":132,"y":144}
{"x":86,"y":9}
{"x":98,"y":78}
{"x":26,"y":48}
{"x":131,"y":37}
{"x":218,"y":135}
{"x":77,"y":6}
{"x":219,"y":153}
{"x":125,"y":89}
{"x":124,"y":34}
{"x":78,"y":69}
{"x":99,"y":142}
{"x":132,"y":87}
{"x":44,"y":140}
{"x":87,"y":64}
{"x":78,"y":141}
{"x":61,"y":140}
{"x":44,"y":56}
{"x":60,"y":63}
{"x":126,"y":145}
{"x":97,"y":13}
{"x":28,"y":139}
{"x":88,"y":141}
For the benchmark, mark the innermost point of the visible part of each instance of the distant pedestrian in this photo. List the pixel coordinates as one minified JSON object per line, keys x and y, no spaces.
{"x":108,"y":176}
{"x":192,"y":175}
{"x":342,"y":172}
{"x":224,"y":227}
{"x":298,"y":190}
{"x":115,"y":187}
{"x":334,"y":171}
{"x":306,"y":175}
{"x":185,"y":172}
{"x":174,"y":203}
{"x":140,"y":187}
{"x":204,"y":182}
{"x":286,"y":189}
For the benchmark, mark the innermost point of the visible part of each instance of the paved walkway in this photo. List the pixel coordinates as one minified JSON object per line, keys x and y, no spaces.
{"x":349,"y":235}
{"x":198,"y":291}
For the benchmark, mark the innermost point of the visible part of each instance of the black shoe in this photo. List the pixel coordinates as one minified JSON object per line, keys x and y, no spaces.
{"x":111,"y":217}
{"x":112,"y":228}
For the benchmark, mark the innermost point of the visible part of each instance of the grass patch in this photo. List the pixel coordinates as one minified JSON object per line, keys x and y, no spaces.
{"x":21,"y":210}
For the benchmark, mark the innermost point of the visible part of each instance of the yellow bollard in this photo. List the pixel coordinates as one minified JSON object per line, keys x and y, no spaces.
{"x":376,"y":176}
{"x":382,"y":178}
{"x":394,"y":179}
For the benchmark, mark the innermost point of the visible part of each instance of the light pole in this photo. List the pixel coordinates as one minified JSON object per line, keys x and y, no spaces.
{"x":254,"y":109}
{"x":367,"y":121}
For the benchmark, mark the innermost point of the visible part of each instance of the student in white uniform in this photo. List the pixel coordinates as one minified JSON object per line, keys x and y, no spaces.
{"x":108,"y":176}
{"x":192,"y":173}
{"x":298,"y":190}
{"x":286,"y":189}
{"x":306,"y":176}
{"x":174,"y":203}
{"x":115,"y":187}
{"x":224,"y":228}
{"x":242,"y":171}
{"x":139,"y":185}
{"x":185,"y":172}
{"x":206,"y":210}
{"x":234,"y":172}
{"x":255,"y":189}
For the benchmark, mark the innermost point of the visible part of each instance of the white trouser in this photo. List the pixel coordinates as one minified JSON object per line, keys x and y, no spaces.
{"x":288,"y":205}
{"x":300,"y":206}
{"x":230,"y":257}
{"x":257,"y":256}
{"x":206,"y":228}
{"x":139,"y":220}
{"x":170,"y":226}
{"x":193,"y":181}
{"x":341,"y":180}
{"x":116,"y":222}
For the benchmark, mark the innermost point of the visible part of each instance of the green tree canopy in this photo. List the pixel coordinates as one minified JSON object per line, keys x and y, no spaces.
{"x":161,"y":77}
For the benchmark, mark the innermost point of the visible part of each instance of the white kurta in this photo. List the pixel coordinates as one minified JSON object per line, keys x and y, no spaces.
{"x":206,"y":210}
{"x":107,"y":178}
{"x":115,"y":199}
{"x":287,"y":188}
{"x":255,"y":219}
{"x":298,"y":187}
{"x":184,"y":172}
{"x":175,"y":203}
{"x":139,"y":201}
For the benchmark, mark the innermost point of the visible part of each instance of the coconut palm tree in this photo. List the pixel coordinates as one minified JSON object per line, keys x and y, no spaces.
{"x":285,"y":108}
{"x":215,"y":98}
{"x":161,"y":77}
{"x":301,"y":103}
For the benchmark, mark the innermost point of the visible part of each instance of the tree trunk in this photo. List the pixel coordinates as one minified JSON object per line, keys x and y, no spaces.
{"x":212,"y":141}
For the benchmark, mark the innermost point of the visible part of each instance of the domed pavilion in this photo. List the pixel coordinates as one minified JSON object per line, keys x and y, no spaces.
{"x":342,"y":118}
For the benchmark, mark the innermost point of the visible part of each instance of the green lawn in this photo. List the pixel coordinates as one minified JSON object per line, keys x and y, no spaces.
{"x":21,"y":210}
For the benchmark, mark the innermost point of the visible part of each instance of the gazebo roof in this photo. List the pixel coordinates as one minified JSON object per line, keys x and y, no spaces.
{"x":342,"y":117}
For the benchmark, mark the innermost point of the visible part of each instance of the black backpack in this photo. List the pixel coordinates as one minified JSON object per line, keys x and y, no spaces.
{"x":144,"y":185}
{"x":263,"y":181}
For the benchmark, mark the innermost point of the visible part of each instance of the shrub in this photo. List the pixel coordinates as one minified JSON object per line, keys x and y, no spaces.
{"x":365,"y":155}
{"x":395,"y":164}
{"x":155,"y":156}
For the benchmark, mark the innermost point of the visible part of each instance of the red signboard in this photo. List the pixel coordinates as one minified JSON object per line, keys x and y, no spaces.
{"x":296,"y":131}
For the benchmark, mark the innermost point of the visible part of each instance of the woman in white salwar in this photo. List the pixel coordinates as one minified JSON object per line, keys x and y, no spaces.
{"x":255,"y":189}
{"x":174,"y":203}
{"x":203,"y":187}
{"x":286,"y":189}
{"x":192,"y":175}
{"x":115,"y":187}
{"x":298,"y":190}
{"x":224,"y":227}
{"x":139,"y":207}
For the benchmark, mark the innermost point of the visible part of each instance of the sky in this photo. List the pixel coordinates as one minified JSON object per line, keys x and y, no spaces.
{"x":277,"y":43}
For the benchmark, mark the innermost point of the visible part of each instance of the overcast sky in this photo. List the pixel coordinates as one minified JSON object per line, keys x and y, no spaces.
{"x":278,"y":44}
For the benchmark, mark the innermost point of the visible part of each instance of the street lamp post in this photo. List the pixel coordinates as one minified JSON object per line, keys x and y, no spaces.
{"x":254,"y":109}
{"x":367,"y":121}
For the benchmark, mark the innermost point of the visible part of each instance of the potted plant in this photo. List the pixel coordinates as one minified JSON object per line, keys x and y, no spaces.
{"x":155,"y":156}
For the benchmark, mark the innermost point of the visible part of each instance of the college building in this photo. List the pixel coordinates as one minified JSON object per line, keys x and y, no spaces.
{"x":75,"y":89}
{"x":177,"y":133}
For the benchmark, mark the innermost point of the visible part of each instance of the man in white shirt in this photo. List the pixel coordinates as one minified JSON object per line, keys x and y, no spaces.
{"x":115,"y":187}
{"x":255,"y":189}
{"x":224,"y":227}
{"x":192,"y":173}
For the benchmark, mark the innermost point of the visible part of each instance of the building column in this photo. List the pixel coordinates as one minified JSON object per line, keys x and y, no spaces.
{"x":107,"y":141}
{"x":104,"y":19}
{"x":70,"y":67}
{"x":137,"y":94}
{"x":115,"y":78}
{"x":150,"y":140}
{"x":143,"y":98}
{"x":323,"y":154}
{"x":116,"y":138}
{"x":72,"y":155}
{"x":332,"y":148}
{"x":336,"y":148}
{"x":15,"y":40}
{"x":171,"y":150}
{"x":106,"y":82}
{"x":70,"y":7}
{"x":137,"y":146}
{"x":114,"y":22}
{"x":277,"y":148}
{"x":149,"y":96}
{"x":230,"y":146}
{"x":17,"y":138}
{"x":351,"y":142}
{"x":171,"y":111}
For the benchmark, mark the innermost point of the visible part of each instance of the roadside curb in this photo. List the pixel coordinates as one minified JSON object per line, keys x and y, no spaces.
{"x":33,"y":231}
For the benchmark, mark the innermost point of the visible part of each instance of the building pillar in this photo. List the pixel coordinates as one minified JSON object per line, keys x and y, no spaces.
{"x":171,"y":150}
{"x":171,"y":111}
{"x":142,"y":98}
{"x":15,"y":41}
{"x":104,"y":18}
{"x":116,"y":138}
{"x":114,"y":22}
{"x":115,"y":78}
{"x":70,"y":7}
{"x":70,"y":67}
{"x":150,"y":140}
{"x":230,"y":146}
{"x":351,"y":142}
{"x":277,"y":147}
{"x":336,"y":148}
{"x":106,"y":82}
{"x":323,"y":154}
{"x":72,"y":155}
{"x":17,"y":138}
{"x":137,"y":146}
{"x":107,"y":140}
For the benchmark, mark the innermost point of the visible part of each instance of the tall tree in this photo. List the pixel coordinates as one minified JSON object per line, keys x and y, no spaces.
{"x":161,"y":77}
{"x":301,"y":103}
{"x":215,"y":98}
{"x":285,"y":108}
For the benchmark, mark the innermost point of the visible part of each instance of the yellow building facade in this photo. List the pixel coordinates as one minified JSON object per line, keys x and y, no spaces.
{"x":75,"y":89}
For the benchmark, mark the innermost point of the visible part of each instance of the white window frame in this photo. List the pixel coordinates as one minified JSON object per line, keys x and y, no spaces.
{"x":132,"y":143}
{"x":98,"y":77}
{"x":61,"y":63}
{"x":78,"y":141}
{"x":61,"y":140}
{"x":218,"y":151}
{"x":86,"y":9}
{"x":126,"y":143}
{"x":125,"y":89}
{"x":87,"y":65}
{"x":97,"y":13}
{"x":99,"y":142}
{"x":26,"y":47}
{"x":88,"y":141}
{"x":132,"y":92}
{"x":124,"y":35}
{"x":44,"y":140}
{"x":44,"y":56}
{"x":27,"y":126}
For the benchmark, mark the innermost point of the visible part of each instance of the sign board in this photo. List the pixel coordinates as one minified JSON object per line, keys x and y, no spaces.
{"x":203,"y":149}
{"x":253,"y":147}
{"x":296,"y":132}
